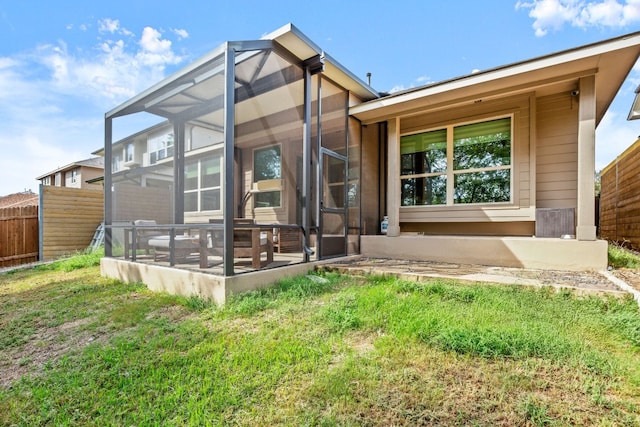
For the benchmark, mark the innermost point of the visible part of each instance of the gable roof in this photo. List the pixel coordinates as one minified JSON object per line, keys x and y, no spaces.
{"x":610,"y":61}
{"x":93,"y":162}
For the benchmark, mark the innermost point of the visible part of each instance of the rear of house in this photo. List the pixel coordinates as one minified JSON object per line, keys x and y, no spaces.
{"x":274,"y":137}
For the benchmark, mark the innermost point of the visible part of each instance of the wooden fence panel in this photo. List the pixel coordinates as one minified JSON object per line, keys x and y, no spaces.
{"x":18,"y":235}
{"x":70,"y":217}
{"x":620,"y":199}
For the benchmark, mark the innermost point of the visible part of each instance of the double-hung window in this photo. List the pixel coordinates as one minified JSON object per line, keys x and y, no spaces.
{"x":267,"y":164}
{"x":458,"y":164}
{"x":160,"y":147}
{"x":202,"y":191}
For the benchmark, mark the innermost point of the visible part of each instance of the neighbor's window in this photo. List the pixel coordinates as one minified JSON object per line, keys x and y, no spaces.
{"x":74,"y":175}
{"x":202,"y":189}
{"x":479,"y":163}
{"x":160,"y":147}
{"x":128,"y":152}
{"x":266,"y":166}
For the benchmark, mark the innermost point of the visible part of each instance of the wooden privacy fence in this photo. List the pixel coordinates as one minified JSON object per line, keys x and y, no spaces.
{"x":620,"y":198}
{"x":18,"y":235}
{"x":69,"y":219}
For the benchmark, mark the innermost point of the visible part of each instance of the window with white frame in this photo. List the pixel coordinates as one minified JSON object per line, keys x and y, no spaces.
{"x":458,"y":164}
{"x":202,"y":178}
{"x":267,"y":165}
{"x":160,"y":147}
{"x":74,"y":175}
{"x":115,"y":162}
{"x":129,"y":152}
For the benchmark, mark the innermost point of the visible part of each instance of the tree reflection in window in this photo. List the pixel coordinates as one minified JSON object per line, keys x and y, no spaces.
{"x":480,"y":164}
{"x":267,"y":164}
{"x":423,"y":167}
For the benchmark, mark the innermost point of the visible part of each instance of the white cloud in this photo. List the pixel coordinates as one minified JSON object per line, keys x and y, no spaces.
{"x":181,"y":33}
{"x":554,"y":14}
{"x":155,"y":50}
{"x":419,"y":81}
{"x":54,"y":96}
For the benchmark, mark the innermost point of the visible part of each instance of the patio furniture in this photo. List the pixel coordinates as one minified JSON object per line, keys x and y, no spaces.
{"x":183,"y":247}
{"x":250,"y":240}
{"x":138,"y":236}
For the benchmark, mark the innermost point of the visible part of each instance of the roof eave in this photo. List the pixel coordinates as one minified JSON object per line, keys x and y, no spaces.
{"x":370,"y":111}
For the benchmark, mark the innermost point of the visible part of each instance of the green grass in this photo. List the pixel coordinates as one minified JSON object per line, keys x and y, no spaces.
{"x":78,"y":349}
{"x":620,"y":257}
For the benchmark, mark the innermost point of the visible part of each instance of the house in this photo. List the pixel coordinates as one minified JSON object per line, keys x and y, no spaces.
{"x":18,"y":200}
{"x":80,"y":174}
{"x":275,"y":139}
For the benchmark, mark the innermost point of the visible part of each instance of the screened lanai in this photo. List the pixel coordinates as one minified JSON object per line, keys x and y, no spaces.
{"x":254,"y":163}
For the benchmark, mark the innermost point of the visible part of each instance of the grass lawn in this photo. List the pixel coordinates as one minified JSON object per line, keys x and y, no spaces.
{"x":78,"y":349}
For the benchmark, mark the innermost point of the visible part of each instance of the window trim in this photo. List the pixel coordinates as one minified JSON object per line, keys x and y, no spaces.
{"x":450,"y":172}
{"x":198,"y":160}
{"x":253,"y":178}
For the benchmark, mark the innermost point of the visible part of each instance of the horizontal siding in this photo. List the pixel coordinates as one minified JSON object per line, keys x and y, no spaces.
{"x":620,"y":199}
{"x":70,"y":217}
{"x":556,"y":152}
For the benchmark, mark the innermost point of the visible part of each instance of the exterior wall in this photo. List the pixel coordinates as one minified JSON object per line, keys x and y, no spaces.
{"x":132,"y":202}
{"x":619,"y":201}
{"x":522,"y":207}
{"x":520,"y":252}
{"x":557,"y":151}
{"x":371,"y":182}
{"x":191,"y":283}
{"x":69,"y":218}
{"x":87,"y":174}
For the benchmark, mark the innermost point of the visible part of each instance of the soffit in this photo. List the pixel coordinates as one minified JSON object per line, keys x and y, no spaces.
{"x":609,"y":61}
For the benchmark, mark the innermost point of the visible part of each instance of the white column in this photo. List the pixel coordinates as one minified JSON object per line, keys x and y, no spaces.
{"x":393,"y":178}
{"x":586,"y":228}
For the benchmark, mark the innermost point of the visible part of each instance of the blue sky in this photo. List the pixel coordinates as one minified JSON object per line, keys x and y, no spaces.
{"x":64,"y":63}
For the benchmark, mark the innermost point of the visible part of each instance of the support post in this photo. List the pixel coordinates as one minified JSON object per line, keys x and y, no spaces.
{"x":393,"y":178}
{"x":586,"y":228}
{"x":108,"y":187}
{"x":306,"y":163}
{"x":178,"y":172}
{"x":229,"y":140}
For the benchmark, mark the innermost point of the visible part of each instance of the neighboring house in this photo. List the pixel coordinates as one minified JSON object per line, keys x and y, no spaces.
{"x":496,"y":167}
{"x":81,"y":174}
{"x":19,"y":200}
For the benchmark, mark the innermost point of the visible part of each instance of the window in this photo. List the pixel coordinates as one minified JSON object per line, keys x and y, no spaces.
{"x":128,"y":152}
{"x":463,"y":164}
{"x":115,"y":162}
{"x":74,"y":175}
{"x":202,"y":179}
{"x":266,"y":166}
{"x":160,"y":147}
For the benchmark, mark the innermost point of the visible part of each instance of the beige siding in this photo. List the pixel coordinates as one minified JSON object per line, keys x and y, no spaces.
{"x":90,"y":173}
{"x":556,"y":151}
{"x":372,"y":173}
{"x":132,"y":202}
{"x":521,"y":208}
